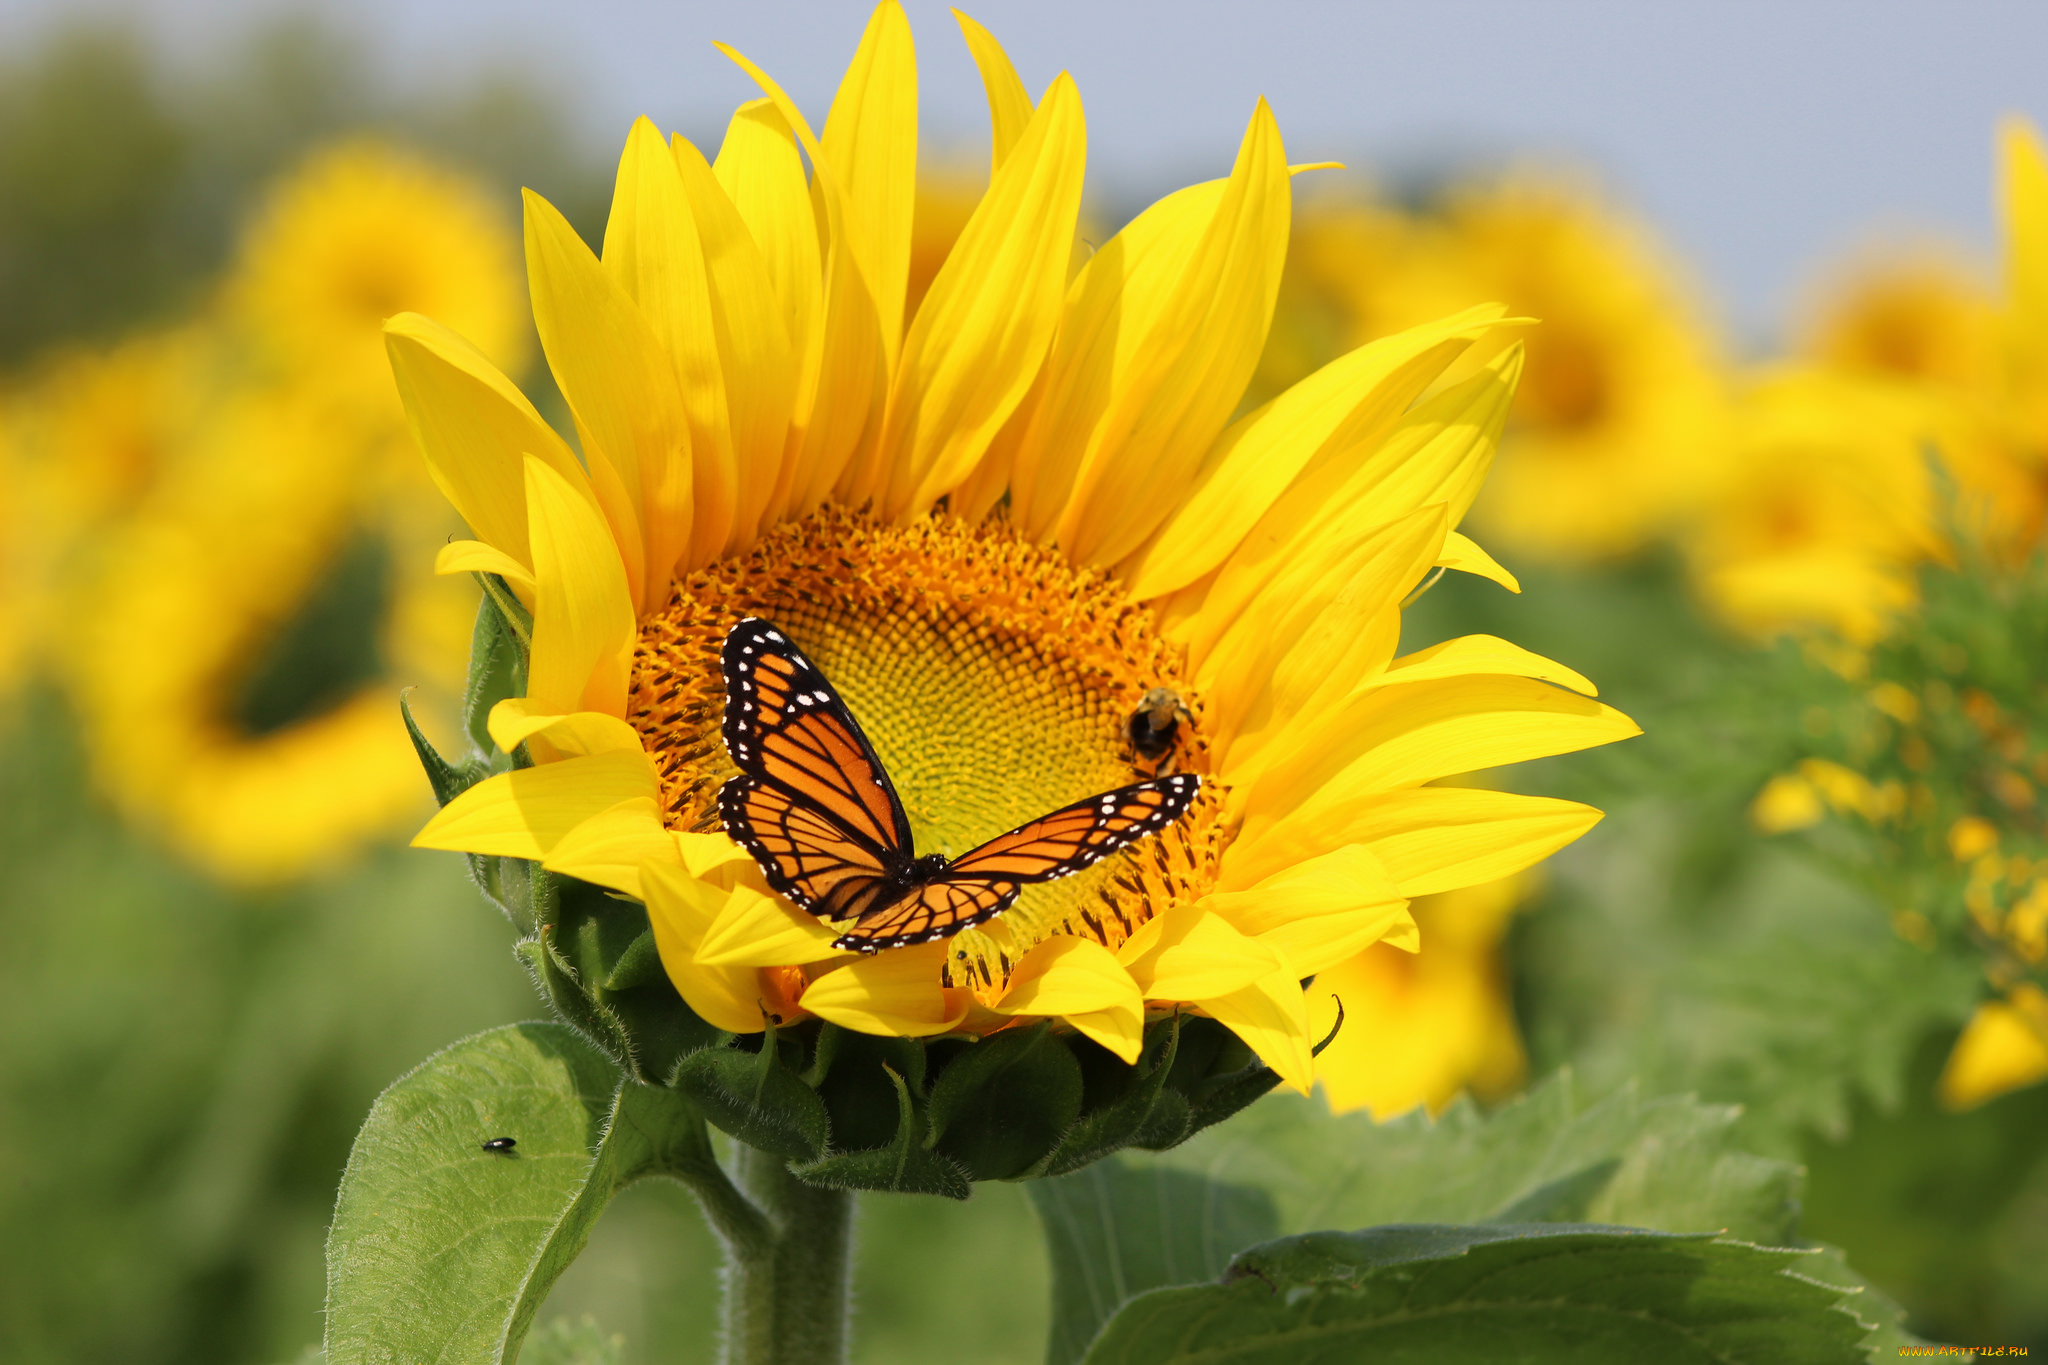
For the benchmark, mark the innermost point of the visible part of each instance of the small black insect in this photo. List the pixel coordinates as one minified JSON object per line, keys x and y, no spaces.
{"x":1154,"y":727}
{"x":501,"y":1144}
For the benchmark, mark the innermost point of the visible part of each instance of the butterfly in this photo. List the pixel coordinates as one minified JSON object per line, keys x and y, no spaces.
{"x":816,"y":809}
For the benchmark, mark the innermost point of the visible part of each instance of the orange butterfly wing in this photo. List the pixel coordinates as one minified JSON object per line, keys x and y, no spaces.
{"x":983,"y":882}
{"x":929,"y":910}
{"x":804,"y":854}
{"x":1080,"y":835}
{"x":785,"y":724}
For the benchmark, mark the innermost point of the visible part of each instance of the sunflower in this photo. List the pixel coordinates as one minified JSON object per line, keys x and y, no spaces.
{"x":255,"y":527}
{"x":1420,"y":1028}
{"x":995,"y":524}
{"x":1617,"y":412}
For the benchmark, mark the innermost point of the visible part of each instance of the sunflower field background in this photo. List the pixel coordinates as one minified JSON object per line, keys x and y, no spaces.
{"x":1812,"y":567}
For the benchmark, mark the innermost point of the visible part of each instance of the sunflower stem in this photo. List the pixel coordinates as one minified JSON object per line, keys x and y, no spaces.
{"x":787,"y":1294}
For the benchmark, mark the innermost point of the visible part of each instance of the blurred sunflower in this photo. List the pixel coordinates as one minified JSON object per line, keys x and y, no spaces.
{"x":254,"y":528}
{"x":1921,"y":313}
{"x":1618,"y":409}
{"x":361,"y":231}
{"x":83,"y":436}
{"x":1822,"y":507}
{"x":1421,"y":1028}
{"x":995,"y":525}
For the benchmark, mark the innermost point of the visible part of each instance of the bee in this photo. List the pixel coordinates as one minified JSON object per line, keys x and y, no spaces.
{"x":501,"y":1144}
{"x":1154,"y":729}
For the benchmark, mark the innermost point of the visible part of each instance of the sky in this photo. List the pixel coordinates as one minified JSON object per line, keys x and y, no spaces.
{"x":1760,"y":139}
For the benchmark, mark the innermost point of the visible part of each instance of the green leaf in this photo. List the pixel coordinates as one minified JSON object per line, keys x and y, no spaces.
{"x":1112,"y":1232}
{"x":1666,"y":1163}
{"x":1532,"y":1294}
{"x":441,"y":1249}
{"x":755,"y":1098}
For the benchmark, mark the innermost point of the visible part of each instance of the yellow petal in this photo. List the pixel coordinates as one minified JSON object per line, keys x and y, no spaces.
{"x":583,"y":624}
{"x":1433,"y":839}
{"x":1306,"y":640}
{"x":844,"y":372}
{"x":621,"y":386}
{"x":1462,"y":554}
{"x":610,"y":847}
{"x":652,"y":249}
{"x":753,"y":929}
{"x":762,"y":173}
{"x":895,"y":992}
{"x":752,"y":337}
{"x":1437,"y":453}
{"x":2023,"y":194}
{"x":704,"y":854}
{"x":473,"y":425}
{"x":871,"y":144}
{"x":1349,"y":404}
{"x":1079,"y":980}
{"x":1203,"y":329}
{"x":1009,"y":104}
{"x":680,"y":908}
{"x":514,"y":720}
{"x":1319,"y":912}
{"x":1097,"y":349}
{"x":1271,"y":1016}
{"x":1404,"y":735}
{"x":524,"y":814}
{"x":1470,"y":654}
{"x":982,"y":331}
{"x":473,"y":556}
{"x":1186,"y":953}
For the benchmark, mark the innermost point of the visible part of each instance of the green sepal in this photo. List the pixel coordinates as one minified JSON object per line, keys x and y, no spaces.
{"x":557,"y":981}
{"x":856,"y":1087}
{"x":638,"y":965}
{"x":510,"y":884}
{"x":755,"y":1098}
{"x":449,"y":780}
{"x":598,"y":931}
{"x":1106,"y":1127}
{"x":1001,"y":1104}
{"x":904,"y":1166}
{"x":497,"y":657}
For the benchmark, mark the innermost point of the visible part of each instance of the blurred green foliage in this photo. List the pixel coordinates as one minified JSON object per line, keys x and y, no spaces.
{"x":121,"y":186}
{"x":1678,"y":947}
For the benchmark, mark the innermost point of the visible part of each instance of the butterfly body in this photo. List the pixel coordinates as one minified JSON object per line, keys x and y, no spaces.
{"x":815,"y":807}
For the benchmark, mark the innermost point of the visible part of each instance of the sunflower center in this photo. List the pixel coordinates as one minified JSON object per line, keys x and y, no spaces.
{"x":996,"y":682}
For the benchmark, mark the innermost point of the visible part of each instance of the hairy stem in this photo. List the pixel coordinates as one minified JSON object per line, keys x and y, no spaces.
{"x":786,"y":1292}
